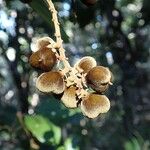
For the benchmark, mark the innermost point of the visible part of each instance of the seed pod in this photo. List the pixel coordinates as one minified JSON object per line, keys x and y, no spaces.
{"x":44,"y":41}
{"x":86,"y":64}
{"x":99,"y":78}
{"x":43,"y":59}
{"x":69,"y":97}
{"x":94,"y":104}
{"x":50,"y":82}
{"x":89,"y":2}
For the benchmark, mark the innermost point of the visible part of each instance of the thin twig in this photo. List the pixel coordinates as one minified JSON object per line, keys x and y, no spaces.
{"x":59,"y":40}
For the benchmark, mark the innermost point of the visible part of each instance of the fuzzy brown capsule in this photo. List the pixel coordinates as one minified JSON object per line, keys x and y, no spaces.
{"x":99,"y":78}
{"x":44,"y":41}
{"x":43,"y":59}
{"x":85,"y":64}
{"x":50,"y":82}
{"x":94,"y":104}
{"x":69,"y":97}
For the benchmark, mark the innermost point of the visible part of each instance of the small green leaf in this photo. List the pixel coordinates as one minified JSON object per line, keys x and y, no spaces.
{"x":132,"y":145}
{"x":61,"y":148}
{"x":44,"y":130}
{"x":68,"y":145}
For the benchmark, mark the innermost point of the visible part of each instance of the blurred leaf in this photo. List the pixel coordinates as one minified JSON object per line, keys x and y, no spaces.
{"x":52,"y":109}
{"x":44,"y":130}
{"x":42,"y":9}
{"x":69,"y":145}
{"x":4,"y":135}
{"x":84,"y":14}
{"x":61,"y":148}
{"x":132,"y":145}
{"x":126,"y":2}
{"x":15,"y":4}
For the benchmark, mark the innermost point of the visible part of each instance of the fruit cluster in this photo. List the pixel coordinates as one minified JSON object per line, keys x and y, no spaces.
{"x":80,"y":86}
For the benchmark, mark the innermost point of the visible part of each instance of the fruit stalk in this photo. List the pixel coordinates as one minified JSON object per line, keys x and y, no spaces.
{"x":59,"y":45}
{"x":59,"y":41}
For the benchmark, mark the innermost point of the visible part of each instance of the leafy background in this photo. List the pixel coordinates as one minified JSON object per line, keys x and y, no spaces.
{"x":117,"y":34}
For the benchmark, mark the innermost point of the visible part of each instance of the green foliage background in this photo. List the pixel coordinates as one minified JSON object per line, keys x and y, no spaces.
{"x":117,"y":34}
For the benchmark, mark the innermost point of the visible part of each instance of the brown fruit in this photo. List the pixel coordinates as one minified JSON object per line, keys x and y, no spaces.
{"x":99,"y":78}
{"x":69,"y":97}
{"x":51,"y":82}
{"x":94,"y":104}
{"x":44,"y":41}
{"x":43,"y":59}
{"x":86,"y":64}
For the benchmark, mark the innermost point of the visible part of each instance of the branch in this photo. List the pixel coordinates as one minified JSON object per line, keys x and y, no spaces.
{"x":59,"y":40}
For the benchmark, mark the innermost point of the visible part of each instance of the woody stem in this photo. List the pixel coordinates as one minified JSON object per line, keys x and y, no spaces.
{"x":59,"y":40}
